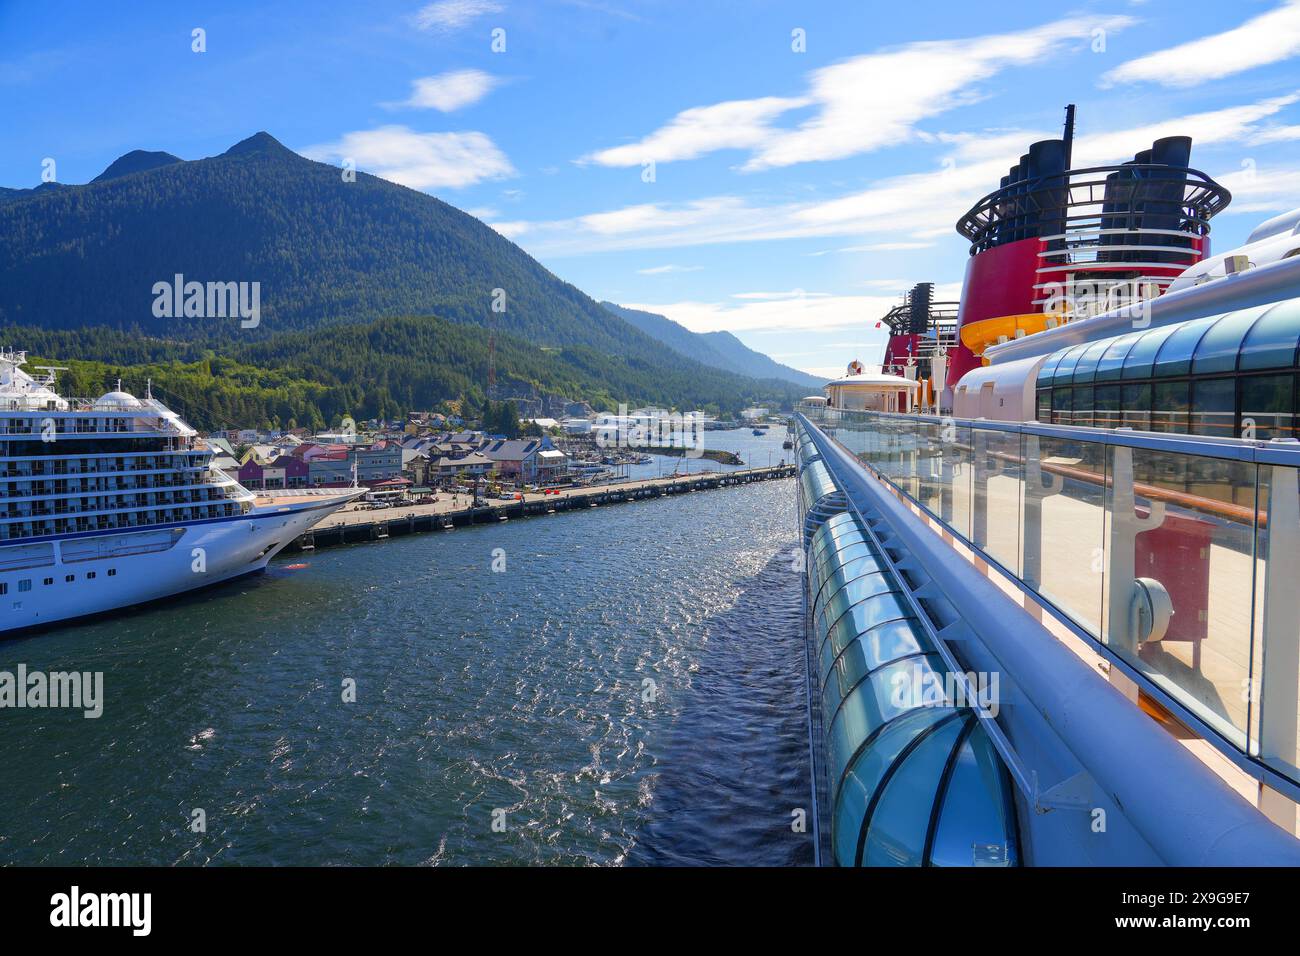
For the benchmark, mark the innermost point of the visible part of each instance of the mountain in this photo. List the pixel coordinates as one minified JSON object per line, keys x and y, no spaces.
{"x":718,"y":349}
{"x":9,"y":195}
{"x":377,"y":369}
{"x":325,"y":250}
{"x":322,"y":249}
{"x":136,"y":161}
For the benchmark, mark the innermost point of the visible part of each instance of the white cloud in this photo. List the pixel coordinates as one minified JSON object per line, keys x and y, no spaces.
{"x":450,"y":91}
{"x":1260,"y":188}
{"x":876,"y":247}
{"x":1268,"y":38}
{"x":1275,"y":134}
{"x":447,"y":15}
{"x":1230,"y":125}
{"x":777,"y":296}
{"x":907,"y":211}
{"x":863,"y":103}
{"x":665,"y":270}
{"x":739,"y":124}
{"x":419,"y":160}
{"x":807,"y":314}
{"x":511,"y":230}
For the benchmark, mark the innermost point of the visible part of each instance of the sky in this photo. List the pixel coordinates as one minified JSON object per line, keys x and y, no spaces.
{"x":780,"y":170}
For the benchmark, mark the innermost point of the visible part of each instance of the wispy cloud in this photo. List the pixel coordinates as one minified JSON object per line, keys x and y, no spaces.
{"x":1262,"y":189}
{"x":739,"y":124}
{"x":1268,"y":38}
{"x":665,"y":270}
{"x":448,"y":15}
{"x":780,"y":296}
{"x":808,"y":313}
{"x":876,"y":247}
{"x":449,"y":91}
{"x":905,"y":211}
{"x":861,"y":104}
{"x":419,"y":160}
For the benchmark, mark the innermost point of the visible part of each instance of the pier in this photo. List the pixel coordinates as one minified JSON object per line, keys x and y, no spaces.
{"x":356,"y":525}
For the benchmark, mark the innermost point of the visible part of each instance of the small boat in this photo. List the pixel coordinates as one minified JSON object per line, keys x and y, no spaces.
{"x":759,"y":432}
{"x":787,"y":444}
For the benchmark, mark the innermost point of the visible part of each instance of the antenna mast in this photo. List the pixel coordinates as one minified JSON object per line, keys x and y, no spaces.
{"x":1069,"y":134}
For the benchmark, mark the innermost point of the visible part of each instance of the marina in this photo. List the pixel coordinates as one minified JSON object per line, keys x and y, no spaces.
{"x":455,"y":511}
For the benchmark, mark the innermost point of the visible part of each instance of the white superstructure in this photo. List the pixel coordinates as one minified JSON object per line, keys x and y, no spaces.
{"x":114,"y":502}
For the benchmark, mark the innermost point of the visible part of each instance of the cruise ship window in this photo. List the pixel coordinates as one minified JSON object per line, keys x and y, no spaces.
{"x":1169,"y":407}
{"x":112,"y":572}
{"x":70,"y":578}
{"x":25,"y":585}
{"x":1106,"y":406}
{"x":1214,"y":407}
{"x":48,"y":581}
{"x":90,"y":575}
{"x":1268,"y":401}
{"x":1218,"y":350}
{"x":4,"y":588}
{"x":1136,"y":405}
{"x":1062,"y":404}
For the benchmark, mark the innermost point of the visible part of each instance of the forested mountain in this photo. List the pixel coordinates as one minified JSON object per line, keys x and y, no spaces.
{"x":373,"y":297}
{"x":379,"y":369}
{"x":136,"y":161}
{"x":719,"y":349}
{"x":323,"y":250}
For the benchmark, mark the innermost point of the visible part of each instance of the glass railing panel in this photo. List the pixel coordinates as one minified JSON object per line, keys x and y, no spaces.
{"x":1275,"y":683}
{"x":997,"y":485}
{"x":957,"y":453}
{"x":1062,"y":521}
{"x":1182,"y":527}
{"x":930,"y":470}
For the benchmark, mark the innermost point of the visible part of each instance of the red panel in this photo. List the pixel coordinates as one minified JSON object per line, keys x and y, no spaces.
{"x":999,"y":281}
{"x":1177,"y":554}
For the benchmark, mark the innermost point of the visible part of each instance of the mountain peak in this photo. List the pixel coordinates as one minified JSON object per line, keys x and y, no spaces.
{"x":260,"y":142}
{"x":138,"y":160}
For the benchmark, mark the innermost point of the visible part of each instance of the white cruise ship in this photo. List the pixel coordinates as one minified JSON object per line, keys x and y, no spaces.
{"x":112,"y":503}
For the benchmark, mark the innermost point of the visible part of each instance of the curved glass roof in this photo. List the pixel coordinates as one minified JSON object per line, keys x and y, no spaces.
{"x":819,"y":496}
{"x":1259,"y":338}
{"x":912,"y":778}
{"x":817,"y":483}
{"x":1175,"y":355}
{"x":1272,"y":342}
{"x":1086,"y":367}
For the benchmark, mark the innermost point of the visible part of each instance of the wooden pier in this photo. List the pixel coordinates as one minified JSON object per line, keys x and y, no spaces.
{"x":355,"y":525}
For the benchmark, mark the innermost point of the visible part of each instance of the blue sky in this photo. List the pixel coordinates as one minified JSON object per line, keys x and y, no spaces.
{"x":795,"y":192}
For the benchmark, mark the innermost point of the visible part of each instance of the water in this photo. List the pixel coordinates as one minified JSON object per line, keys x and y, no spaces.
{"x":524,"y":692}
{"x":755,"y":452}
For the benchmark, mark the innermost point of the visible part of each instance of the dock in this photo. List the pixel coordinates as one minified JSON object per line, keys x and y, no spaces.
{"x":355,"y":525}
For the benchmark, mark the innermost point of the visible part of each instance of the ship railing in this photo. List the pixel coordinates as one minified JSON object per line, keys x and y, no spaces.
{"x":1173,"y":556}
{"x":1153,"y":199}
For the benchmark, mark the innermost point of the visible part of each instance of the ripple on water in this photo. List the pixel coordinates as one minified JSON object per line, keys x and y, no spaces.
{"x":525,"y":692}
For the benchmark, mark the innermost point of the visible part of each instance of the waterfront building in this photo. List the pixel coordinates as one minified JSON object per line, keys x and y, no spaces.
{"x":285,"y":471}
{"x":526,"y":459}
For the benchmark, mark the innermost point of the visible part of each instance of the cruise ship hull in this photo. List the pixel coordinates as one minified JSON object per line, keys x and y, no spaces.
{"x":196,"y":556}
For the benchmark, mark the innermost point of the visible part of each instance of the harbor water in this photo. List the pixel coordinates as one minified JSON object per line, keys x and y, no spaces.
{"x":755,"y":451}
{"x":620,"y":685}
